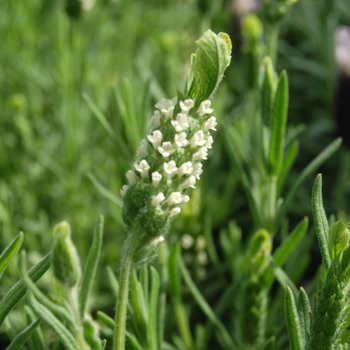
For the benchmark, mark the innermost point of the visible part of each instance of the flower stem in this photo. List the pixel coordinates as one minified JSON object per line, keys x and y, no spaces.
{"x":124,"y":282}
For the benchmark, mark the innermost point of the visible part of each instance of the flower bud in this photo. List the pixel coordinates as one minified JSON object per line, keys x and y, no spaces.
{"x":65,"y":260}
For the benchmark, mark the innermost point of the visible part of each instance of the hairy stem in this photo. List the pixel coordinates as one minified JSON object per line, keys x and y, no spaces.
{"x":124,"y":282}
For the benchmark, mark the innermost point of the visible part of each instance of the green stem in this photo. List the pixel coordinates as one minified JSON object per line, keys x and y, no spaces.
{"x":79,"y":329}
{"x":182,"y":321}
{"x":271,"y":204}
{"x":273,"y":40}
{"x":124,"y":282}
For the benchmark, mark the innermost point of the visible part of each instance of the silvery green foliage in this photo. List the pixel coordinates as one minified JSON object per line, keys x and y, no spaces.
{"x":169,"y":160}
{"x":332,"y":303}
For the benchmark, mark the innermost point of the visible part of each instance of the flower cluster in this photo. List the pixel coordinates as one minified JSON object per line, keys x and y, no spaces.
{"x":169,"y":163}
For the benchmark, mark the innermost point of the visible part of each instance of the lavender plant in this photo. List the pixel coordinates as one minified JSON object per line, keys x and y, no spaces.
{"x":169,"y":163}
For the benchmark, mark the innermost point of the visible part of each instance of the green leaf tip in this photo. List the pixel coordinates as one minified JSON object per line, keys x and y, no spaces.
{"x":321,"y":222}
{"x":207,"y":66}
{"x":338,"y":239}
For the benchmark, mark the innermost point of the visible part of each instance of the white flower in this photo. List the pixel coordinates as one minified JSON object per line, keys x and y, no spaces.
{"x":142,"y":168}
{"x":204,"y":108}
{"x":342,"y":48}
{"x":186,"y":105}
{"x":197,"y":170}
{"x":189,"y":182}
{"x":173,"y":212}
{"x":159,"y":198}
{"x":201,"y":154}
{"x":209,"y":142}
{"x":166,"y":107}
{"x":198,"y":139}
{"x":155,"y":139}
{"x":130,"y":175}
{"x":187,"y":241}
{"x":185,"y":198}
{"x":166,"y":149}
{"x":185,"y":169}
{"x":180,"y":140}
{"x":181,"y":123}
{"x":174,"y":198}
{"x":123,"y":190}
{"x":170,"y":168}
{"x":143,"y":149}
{"x":210,"y":124}
{"x":155,"y":119}
{"x":201,"y":243}
{"x":157,"y":240}
{"x":202,"y":258}
{"x":156,"y":178}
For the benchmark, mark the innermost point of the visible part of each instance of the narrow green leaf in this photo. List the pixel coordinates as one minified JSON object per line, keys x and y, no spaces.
{"x":293,"y":323}
{"x":286,"y":247}
{"x":57,"y":309}
{"x":99,"y":115}
{"x":91,"y":266}
{"x":345,"y":259}
{"x":144,"y":279}
{"x":287,"y":164}
{"x":304,"y":311}
{"x":132,"y":342}
{"x":113,"y":282}
{"x":59,"y":329}
{"x":225,"y":336}
{"x":103,"y":344}
{"x":321,"y":223}
{"x":338,"y":239}
{"x":138,"y":300}
{"x":316,"y":162}
{"x":268,"y":91}
{"x":279,"y":120}
{"x":108,"y":321}
{"x":104,"y":191}
{"x":23,"y":336}
{"x":10,"y":251}
{"x":16,"y":293}
{"x":208,"y":65}
{"x":36,"y":341}
{"x":153,"y":306}
{"x":174,"y":277}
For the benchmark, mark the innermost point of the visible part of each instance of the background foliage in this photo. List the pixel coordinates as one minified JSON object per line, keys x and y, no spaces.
{"x":76,"y":96}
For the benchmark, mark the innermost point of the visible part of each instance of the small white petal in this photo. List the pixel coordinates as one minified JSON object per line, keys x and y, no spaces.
{"x":166,"y":149}
{"x":173,"y":212}
{"x":201,"y":242}
{"x":204,"y":108}
{"x":123,"y":190}
{"x":201,"y":154}
{"x":202,"y":257}
{"x":197,"y":170}
{"x":130,"y":175}
{"x":156,"y":138}
{"x":185,"y":169}
{"x":155,"y":119}
{"x":198,"y":139}
{"x":170,"y":168}
{"x":143,"y":149}
{"x":174,"y":198}
{"x":210,"y":124}
{"x":166,"y":107}
{"x":189,"y":182}
{"x":157,"y":240}
{"x":180,"y":140}
{"x":186,"y":105}
{"x":209,"y":142}
{"x":159,"y":198}
{"x":181,"y":122}
{"x":142,"y":168}
{"x":156,"y":178}
{"x":185,"y":198}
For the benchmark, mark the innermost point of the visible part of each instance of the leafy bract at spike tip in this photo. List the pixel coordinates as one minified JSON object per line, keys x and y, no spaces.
{"x":208,"y":65}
